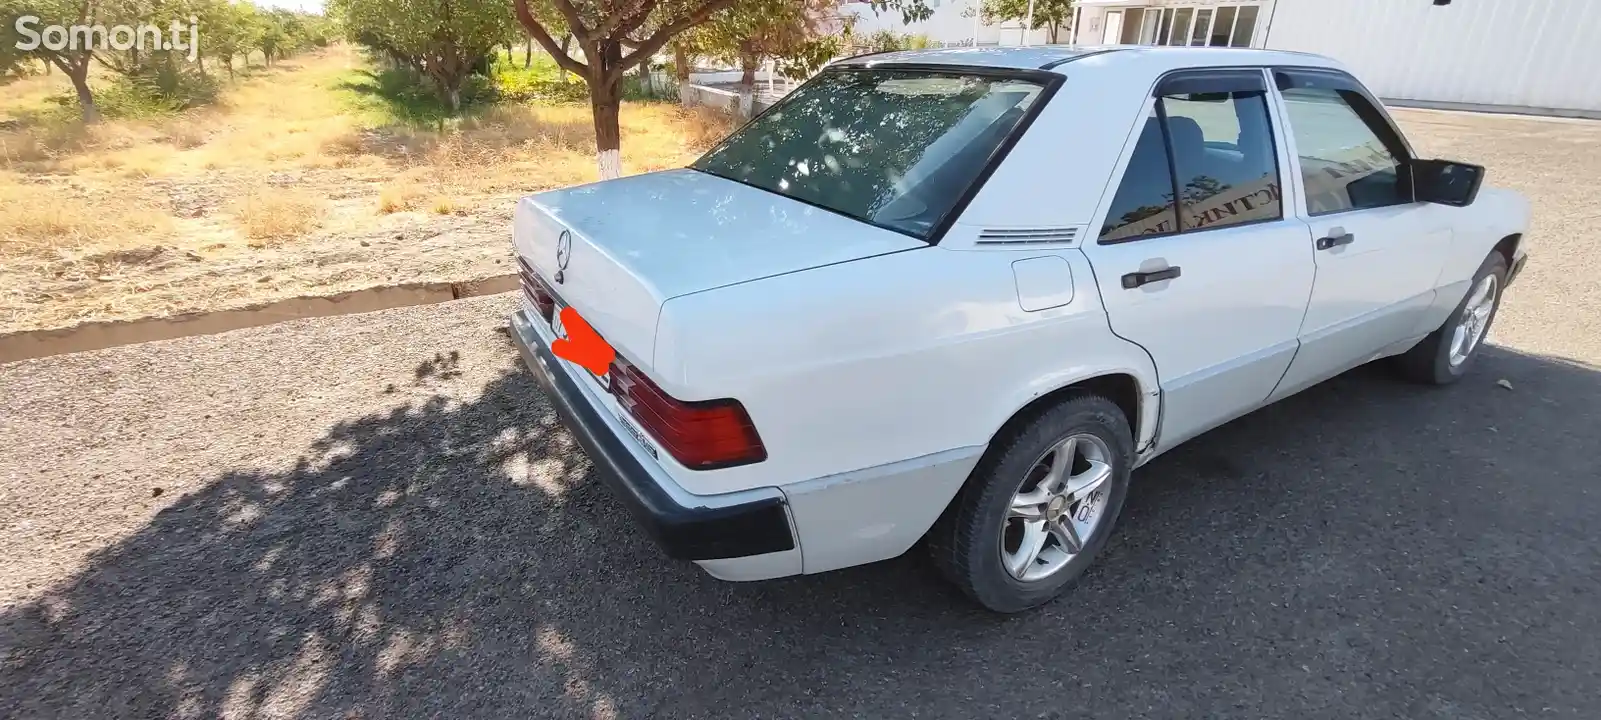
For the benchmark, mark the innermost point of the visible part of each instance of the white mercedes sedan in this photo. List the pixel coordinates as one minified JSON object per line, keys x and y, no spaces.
{"x":958,"y":296}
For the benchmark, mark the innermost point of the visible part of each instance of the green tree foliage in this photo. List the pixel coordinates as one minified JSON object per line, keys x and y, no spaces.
{"x":230,"y":29}
{"x":888,"y":40}
{"x":1049,"y":15}
{"x":73,"y":62}
{"x":444,"y":41}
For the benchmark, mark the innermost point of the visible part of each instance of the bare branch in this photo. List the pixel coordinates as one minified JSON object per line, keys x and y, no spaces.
{"x":540,"y":35}
{"x":649,"y":46}
{"x":56,"y":60}
{"x":612,"y":19}
{"x":630,"y":24}
{"x":575,"y":23}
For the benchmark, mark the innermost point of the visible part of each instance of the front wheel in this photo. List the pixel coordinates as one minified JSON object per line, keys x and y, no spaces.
{"x":1039,"y":507}
{"x":1446,"y":354}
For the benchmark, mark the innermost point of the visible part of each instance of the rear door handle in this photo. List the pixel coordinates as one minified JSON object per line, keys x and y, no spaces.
{"x":1335,"y":239}
{"x":1136,"y":279}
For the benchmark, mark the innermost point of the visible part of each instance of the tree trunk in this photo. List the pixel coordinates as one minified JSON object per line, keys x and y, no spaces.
{"x":605,"y":101}
{"x":200,"y":61}
{"x":528,"y":55}
{"x":1051,"y":32}
{"x":86,"y":100}
{"x":681,"y":72}
{"x":747,"y":85}
{"x":448,"y":89}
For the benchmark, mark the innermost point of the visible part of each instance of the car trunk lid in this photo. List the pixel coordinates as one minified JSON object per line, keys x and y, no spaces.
{"x":634,"y":243}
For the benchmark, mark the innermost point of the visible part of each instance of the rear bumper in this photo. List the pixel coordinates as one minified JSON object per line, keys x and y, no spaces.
{"x":686,"y":526}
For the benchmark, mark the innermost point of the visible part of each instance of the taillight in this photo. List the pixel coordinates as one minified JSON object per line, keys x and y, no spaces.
{"x":700,"y":435}
{"x":536,"y":290}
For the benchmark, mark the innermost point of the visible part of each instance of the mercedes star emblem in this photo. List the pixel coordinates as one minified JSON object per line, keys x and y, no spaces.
{"x":564,"y":254}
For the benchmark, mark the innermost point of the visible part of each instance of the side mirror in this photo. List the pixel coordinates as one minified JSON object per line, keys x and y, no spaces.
{"x":1446,"y":182}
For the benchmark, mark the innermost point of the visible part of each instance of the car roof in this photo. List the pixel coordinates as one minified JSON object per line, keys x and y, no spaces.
{"x":1052,"y":57}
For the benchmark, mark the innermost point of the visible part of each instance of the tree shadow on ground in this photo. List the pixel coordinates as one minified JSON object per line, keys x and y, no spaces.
{"x":458,"y":561}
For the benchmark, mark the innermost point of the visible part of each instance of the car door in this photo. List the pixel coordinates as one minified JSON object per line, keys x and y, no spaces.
{"x":1195,"y":259}
{"x":1378,"y":252}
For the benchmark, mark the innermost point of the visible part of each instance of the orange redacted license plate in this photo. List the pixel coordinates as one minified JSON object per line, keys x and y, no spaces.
{"x":582,"y":346}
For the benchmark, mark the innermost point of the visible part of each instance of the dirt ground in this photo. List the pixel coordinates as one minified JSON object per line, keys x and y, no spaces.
{"x":298,"y":182}
{"x":379,"y":516}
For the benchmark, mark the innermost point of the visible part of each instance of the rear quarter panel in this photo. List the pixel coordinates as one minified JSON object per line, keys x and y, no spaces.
{"x":880,"y":360}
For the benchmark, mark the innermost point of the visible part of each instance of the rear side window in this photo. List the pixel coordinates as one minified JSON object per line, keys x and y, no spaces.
{"x":1348,"y":159}
{"x":1144,"y":201}
{"x":1203,"y":161}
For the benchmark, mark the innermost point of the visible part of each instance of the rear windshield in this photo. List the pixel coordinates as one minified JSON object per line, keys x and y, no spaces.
{"x":895,"y":148}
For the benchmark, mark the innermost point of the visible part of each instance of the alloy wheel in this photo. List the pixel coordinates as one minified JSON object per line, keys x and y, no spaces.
{"x":1475,"y":319}
{"x":1056,"y":508}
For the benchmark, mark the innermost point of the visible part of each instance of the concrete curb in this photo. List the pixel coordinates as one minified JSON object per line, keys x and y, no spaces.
{"x":29,"y":344}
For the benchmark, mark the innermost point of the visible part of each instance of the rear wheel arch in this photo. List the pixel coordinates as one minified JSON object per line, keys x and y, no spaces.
{"x":1508,"y":247}
{"x":1123,"y":388}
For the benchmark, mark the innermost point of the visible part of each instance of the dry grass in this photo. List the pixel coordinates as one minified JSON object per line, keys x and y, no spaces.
{"x":130,"y":218}
{"x":51,"y":219}
{"x":271,"y":215}
{"x":399,"y":196}
{"x":444,"y":206}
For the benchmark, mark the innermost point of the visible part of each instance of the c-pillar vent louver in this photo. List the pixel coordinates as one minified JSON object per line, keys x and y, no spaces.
{"x":1026,"y":236}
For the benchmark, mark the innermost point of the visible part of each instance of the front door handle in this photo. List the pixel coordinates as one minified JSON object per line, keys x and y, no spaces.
{"x":1335,"y":239}
{"x":1136,"y":279}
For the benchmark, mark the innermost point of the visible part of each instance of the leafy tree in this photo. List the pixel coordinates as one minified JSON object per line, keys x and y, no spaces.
{"x":229,"y":27}
{"x":888,"y":40}
{"x":270,"y":35}
{"x":754,"y":31}
{"x":442,"y":40}
{"x":143,"y":60}
{"x":1049,"y":15}
{"x":616,"y":35}
{"x":16,"y":46}
{"x":604,"y":30}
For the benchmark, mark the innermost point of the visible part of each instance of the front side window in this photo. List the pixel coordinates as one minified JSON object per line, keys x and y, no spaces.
{"x":1345,"y":164}
{"x":896,"y":148}
{"x":1218,"y":154}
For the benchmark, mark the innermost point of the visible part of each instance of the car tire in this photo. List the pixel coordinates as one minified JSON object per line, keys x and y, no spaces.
{"x":1439,"y":359}
{"x":971,"y":543}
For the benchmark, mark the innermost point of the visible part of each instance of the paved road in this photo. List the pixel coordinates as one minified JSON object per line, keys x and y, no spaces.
{"x":377,"y":516}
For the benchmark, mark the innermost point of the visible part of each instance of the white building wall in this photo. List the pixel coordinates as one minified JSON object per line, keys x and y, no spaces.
{"x":1543,"y":55}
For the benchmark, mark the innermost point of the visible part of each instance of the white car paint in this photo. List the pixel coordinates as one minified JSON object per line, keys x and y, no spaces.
{"x":878,"y":368}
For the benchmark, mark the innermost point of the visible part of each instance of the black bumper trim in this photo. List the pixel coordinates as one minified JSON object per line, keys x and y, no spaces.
{"x":690,"y":533}
{"x":1517,"y":267}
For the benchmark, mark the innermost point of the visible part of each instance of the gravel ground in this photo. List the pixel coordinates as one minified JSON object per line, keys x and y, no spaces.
{"x":376,"y":516}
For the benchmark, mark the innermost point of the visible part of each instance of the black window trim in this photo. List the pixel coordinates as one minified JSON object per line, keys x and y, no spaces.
{"x":1048,"y":81}
{"x":1388,"y":132}
{"x":1210,"y":80}
{"x":1202,"y":75}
